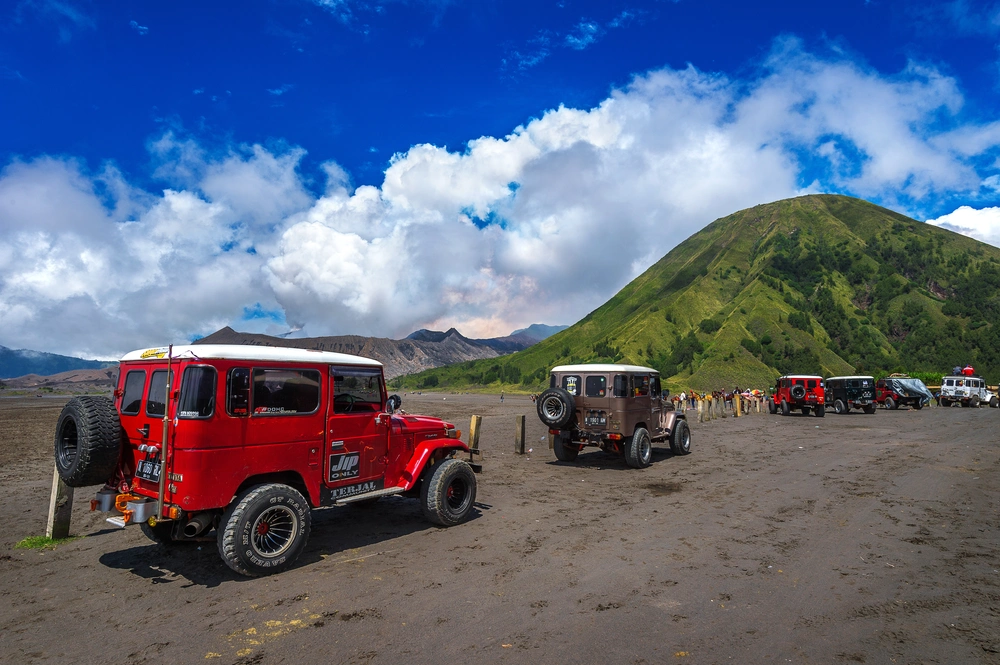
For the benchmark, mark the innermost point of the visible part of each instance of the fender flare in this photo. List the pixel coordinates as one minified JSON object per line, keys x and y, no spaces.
{"x":422,"y":453}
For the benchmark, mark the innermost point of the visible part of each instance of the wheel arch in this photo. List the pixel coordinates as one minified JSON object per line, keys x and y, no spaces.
{"x":291,"y":478}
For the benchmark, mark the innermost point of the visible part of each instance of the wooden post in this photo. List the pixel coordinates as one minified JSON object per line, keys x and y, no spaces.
{"x":737,"y":404}
{"x":60,"y":508}
{"x":474,"y":433}
{"x":519,"y":434}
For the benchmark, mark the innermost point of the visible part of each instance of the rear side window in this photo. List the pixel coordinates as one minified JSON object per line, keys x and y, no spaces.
{"x":641,"y":384}
{"x":949,"y":382}
{"x":854,"y":383}
{"x":552,"y":380}
{"x":238,"y":392}
{"x":800,"y":382}
{"x":621,"y":385}
{"x":197,"y":392}
{"x":597,"y":386}
{"x":155,"y":398}
{"x":571,"y":384}
{"x":135,"y":381}
{"x":278,"y":392}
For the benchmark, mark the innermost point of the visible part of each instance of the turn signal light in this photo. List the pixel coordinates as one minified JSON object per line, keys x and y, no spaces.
{"x":453,"y":433}
{"x":174,"y":512}
{"x":615,"y":437}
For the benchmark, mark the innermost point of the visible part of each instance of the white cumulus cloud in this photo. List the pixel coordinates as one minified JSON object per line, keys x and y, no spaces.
{"x":982,"y":224}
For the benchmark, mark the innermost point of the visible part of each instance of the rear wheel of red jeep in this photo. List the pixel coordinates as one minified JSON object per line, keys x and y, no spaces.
{"x":88,"y":440}
{"x":639,"y":449}
{"x":264,"y":530}
{"x":449,"y":492}
{"x":772,"y":407}
{"x":563,"y":449}
{"x":785,"y":409}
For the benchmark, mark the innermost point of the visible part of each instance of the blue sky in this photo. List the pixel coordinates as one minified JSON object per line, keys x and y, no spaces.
{"x":373,"y":168}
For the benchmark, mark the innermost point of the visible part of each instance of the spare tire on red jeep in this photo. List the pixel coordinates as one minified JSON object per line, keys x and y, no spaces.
{"x":88,"y":441}
{"x":798,"y":392}
{"x":555,"y":408}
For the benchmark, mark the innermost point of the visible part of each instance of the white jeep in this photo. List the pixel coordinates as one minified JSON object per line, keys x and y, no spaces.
{"x":967,"y":391}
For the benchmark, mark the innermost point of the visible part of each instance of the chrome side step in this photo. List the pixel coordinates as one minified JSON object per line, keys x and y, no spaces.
{"x":388,"y":491}
{"x":117,"y":521}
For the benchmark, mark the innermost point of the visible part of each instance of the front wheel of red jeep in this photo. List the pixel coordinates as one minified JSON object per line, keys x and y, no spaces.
{"x":449,"y":493}
{"x":264,"y":530}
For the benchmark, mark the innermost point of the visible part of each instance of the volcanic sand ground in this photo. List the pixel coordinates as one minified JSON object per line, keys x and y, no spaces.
{"x":847,"y":539}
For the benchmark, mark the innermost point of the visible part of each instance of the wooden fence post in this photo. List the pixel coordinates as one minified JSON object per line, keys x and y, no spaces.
{"x":737,"y":404}
{"x":60,"y":508}
{"x":474,"y":433}
{"x":519,"y":434}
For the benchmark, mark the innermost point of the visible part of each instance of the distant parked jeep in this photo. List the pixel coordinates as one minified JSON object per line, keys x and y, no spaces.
{"x":617,"y":408}
{"x":802,"y":392}
{"x":851,"y":392}
{"x":898,"y":390}
{"x":967,"y":390}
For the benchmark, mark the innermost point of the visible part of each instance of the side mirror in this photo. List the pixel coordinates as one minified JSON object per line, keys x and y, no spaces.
{"x":393,"y":403}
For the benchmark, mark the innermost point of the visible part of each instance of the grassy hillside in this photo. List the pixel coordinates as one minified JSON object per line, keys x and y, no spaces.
{"x":821,"y":284}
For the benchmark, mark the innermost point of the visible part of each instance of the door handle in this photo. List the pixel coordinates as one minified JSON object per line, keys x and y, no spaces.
{"x":144,"y":430}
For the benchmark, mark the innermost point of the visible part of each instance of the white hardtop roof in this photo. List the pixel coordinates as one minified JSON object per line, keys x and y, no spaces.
{"x":601,"y":367}
{"x":800,"y":376}
{"x":961,"y":376}
{"x":859,"y":376}
{"x":250,"y":352}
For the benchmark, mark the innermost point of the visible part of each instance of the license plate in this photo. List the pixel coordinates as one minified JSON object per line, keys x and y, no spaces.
{"x":595,"y":420}
{"x":149,"y":470}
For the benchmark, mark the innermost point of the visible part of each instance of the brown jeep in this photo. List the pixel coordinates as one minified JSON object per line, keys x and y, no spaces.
{"x":618,"y":408}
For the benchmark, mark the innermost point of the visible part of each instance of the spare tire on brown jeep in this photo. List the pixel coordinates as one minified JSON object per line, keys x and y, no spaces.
{"x":88,"y":440}
{"x":555,"y":408}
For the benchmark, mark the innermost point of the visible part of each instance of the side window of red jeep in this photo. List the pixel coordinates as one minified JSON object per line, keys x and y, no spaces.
{"x":278,"y":392}
{"x":238,"y":392}
{"x":135,"y":381}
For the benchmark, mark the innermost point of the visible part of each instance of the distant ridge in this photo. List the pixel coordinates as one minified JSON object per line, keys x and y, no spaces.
{"x":421,"y":350}
{"x":19,"y":362}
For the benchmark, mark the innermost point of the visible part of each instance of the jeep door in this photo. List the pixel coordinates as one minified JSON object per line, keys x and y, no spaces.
{"x":141,"y":408}
{"x":357,"y":437}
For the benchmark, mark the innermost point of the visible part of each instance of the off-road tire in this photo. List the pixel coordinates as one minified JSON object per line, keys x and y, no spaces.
{"x":805,"y":410}
{"x":974,"y":402}
{"x":449,"y":492}
{"x":919,"y":404}
{"x":680,"y":438}
{"x":797,"y":392}
{"x":890,"y":404}
{"x":162,"y":533}
{"x":639,"y":449}
{"x":564,"y":451}
{"x":820,"y":410}
{"x":264,"y":530}
{"x":88,"y":441}
{"x":555,"y":408}
{"x":772,"y":407}
{"x":994,"y":402}
{"x":839,"y":407}
{"x":785,"y":409}
{"x":945,"y":402}
{"x":869,"y":409}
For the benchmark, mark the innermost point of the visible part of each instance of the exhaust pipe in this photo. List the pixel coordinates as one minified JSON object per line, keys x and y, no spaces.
{"x":197,"y":525}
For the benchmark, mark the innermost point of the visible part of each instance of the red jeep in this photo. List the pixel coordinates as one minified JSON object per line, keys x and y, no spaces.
{"x":247,"y":439}
{"x":799,"y":391}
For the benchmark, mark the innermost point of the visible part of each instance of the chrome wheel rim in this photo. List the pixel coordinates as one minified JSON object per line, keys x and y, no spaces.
{"x":274,"y":531}
{"x":553,"y":408}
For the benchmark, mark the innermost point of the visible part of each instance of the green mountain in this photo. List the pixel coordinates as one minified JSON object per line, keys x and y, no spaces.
{"x":820,"y":284}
